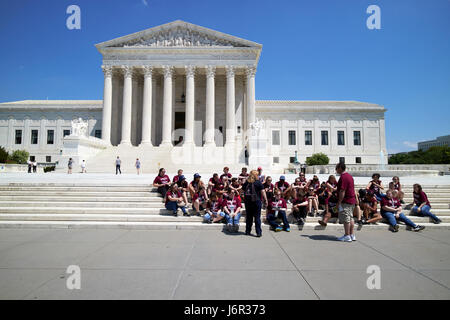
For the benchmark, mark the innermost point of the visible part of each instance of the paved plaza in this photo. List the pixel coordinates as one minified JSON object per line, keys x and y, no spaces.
{"x":210,"y":264}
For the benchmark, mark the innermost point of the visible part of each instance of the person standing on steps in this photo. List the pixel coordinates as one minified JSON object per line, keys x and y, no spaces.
{"x":69,"y":166}
{"x":346,"y":202}
{"x":83,"y":166}
{"x":254,"y":192}
{"x":138,"y":165}
{"x":118,"y":163}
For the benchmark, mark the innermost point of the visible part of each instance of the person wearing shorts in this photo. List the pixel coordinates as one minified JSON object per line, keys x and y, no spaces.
{"x":346,"y":202}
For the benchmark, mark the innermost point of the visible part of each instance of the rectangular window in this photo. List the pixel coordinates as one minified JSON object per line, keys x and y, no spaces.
{"x":276,"y":159}
{"x":291,"y":159}
{"x":32,"y":158}
{"x":34,"y":136}
{"x":342,"y":159}
{"x":357,"y":138}
{"x":324,"y":135}
{"x":66,"y":133}
{"x":341,"y":138}
{"x":276,"y":138}
{"x":18,"y":136}
{"x":308,"y":138}
{"x":358,"y":160}
{"x":98,"y":134}
{"x":50,"y":136}
{"x":292,"y":140}
{"x":48,"y":158}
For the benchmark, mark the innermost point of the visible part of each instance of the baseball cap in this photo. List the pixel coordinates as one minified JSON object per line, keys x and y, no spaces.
{"x":197,"y":175}
{"x":181,"y":178}
{"x":282,"y":178}
{"x":259,"y":168}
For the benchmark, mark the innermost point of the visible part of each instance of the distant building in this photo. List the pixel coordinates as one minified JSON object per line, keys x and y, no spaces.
{"x":438,"y":142}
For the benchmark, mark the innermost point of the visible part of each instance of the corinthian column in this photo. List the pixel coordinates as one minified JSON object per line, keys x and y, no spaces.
{"x":190,"y":101}
{"x":147,"y":107}
{"x":251,"y":111}
{"x":126,"y":107}
{"x":210,"y":106}
{"x":107,"y":104}
{"x":167,"y":107}
{"x":230,"y":109}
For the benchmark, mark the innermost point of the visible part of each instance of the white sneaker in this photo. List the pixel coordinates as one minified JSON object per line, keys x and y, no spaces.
{"x":345,"y":239}
{"x":353,"y":237}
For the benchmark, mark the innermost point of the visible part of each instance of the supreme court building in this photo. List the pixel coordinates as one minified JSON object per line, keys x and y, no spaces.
{"x":182,"y":80}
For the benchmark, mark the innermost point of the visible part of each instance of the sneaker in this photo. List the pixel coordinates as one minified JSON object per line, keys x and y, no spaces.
{"x":395,"y":228}
{"x":438,"y":221}
{"x":230,"y":227}
{"x":353,"y":237}
{"x":186,"y":214}
{"x":236,"y":228}
{"x":360,"y":222}
{"x":175,"y":214}
{"x":287,"y":229}
{"x":301,"y":221}
{"x":418,"y":228}
{"x":345,"y":239}
{"x":278,"y":229}
{"x":259,"y":235}
{"x":247,"y":233}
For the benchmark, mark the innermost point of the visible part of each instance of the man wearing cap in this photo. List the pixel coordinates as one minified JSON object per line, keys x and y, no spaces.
{"x":283,"y":186}
{"x":195,"y":185}
{"x":261,"y":177}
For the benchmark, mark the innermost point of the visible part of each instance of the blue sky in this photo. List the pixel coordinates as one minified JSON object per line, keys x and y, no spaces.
{"x":312,"y":50}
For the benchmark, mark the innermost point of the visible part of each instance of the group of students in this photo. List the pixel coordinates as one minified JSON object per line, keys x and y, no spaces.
{"x":222,"y":196}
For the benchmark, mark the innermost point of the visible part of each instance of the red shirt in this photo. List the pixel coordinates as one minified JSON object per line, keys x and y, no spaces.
{"x":299,"y":200}
{"x":420,"y":198}
{"x":282,"y":185}
{"x":175,"y":179}
{"x":315,"y":185}
{"x":281,"y":204}
{"x":215,"y":206}
{"x":200,"y":197}
{"x":173,"y":195}
{"x":226,"y":175}
{"x":161,"y":180}
{"x":375,"y":188}
{"x":346,"y":183}
{"x":236,"y":202}
{"x":393,"y":203}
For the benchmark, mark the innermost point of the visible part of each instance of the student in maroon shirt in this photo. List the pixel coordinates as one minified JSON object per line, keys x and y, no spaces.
{"x":180,"y":173}
{"x":376,"y":186}
{"x":162,"y":182}
{"x":214,"y":209}
{"x":183,"y":187}
{"x":200,"y":200}
{"x":269,"y":188}
{"x":396,"y":188}
{"x":195,"y":185}
{"x":232,"y":208}
{"x":213,"y":182}
{"x":174,"y":200}
{"x":346,"y":202}
{"x":299,"y":207}
{"x":226,"y":173}
{"x":243,"y":176}
{"x":391,"y":210}
{"x":368,"y":204}
{"x":313,"y":201}
{"x":276,"y":209}
{"x":284,"y":187}
{"x":314,"y":182}
{"x":422,"y":206}
{"x":297,"y":187}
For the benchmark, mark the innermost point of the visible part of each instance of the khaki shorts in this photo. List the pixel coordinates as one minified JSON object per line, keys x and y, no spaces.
{"x":347,"y":215}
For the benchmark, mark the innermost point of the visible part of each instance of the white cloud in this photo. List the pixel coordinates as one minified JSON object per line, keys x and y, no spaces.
{"x":410,"y":144}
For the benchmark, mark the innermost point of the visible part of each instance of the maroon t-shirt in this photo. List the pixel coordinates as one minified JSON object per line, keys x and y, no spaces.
{"x":161,"y":180}
{"x":236,"y":202}
{"x":393,"y":203}
{"x":282,"y":185}
{"x":215,"y":206}
{"x":173,"y":195}
{"x":226,"y":175}
{"x":315,"y":185}
{"x":346,"y":183}
{"x":281,"y":204}
{"x":175,"y":179}
{"x":420,"y":198}
{"x":201,"y":197}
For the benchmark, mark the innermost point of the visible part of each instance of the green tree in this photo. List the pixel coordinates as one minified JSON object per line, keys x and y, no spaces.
{"x":318,"y":159}
{"x":3,"y":155}
{"x":434,"y":155}
{"x":20,"y":156}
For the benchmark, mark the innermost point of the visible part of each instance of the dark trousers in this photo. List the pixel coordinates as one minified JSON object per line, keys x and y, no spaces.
{"x":34,"y":169}
{"x":253,"y":211}
{"x":273,"y":220}
{"x":118,"y":168}
{"x":163,"y":190}
{"x":29,"y":169}
{"x":300,"y":213}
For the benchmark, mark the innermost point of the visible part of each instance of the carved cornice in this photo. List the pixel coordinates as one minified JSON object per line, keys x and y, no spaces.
{"x":107,"y":71}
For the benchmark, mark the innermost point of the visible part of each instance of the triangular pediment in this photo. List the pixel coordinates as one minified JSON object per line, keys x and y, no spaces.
{"x":178,"y":34}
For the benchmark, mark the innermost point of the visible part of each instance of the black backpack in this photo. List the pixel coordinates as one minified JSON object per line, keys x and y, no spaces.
{"x":250,"y":193}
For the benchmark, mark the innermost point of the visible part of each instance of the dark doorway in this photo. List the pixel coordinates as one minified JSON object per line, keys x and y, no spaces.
{"x":180,"y":124}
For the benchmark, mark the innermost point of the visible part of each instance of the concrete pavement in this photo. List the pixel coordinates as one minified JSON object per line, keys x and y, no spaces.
{"x":210,"y":264}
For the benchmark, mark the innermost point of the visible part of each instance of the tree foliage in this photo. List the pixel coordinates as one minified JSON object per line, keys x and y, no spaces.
{"x":318,"y":159}
{"x":434,"y":155}
{"x":20,"y":156}
{"x":3,"y":155}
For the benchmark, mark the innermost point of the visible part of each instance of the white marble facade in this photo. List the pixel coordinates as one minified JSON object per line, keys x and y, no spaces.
{"x":202,"y":81}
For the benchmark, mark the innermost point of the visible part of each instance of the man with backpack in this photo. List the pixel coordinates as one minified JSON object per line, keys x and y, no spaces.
{"x":254,"y":192}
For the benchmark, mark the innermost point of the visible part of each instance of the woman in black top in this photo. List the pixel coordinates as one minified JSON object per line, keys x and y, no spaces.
{"x":254,"y":192}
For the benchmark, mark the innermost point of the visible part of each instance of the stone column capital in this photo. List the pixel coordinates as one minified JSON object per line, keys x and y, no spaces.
{"x":250,"y":71}
{"x":168,"y":71}
{"x":107,"y":71}
{"x":127,"y":71}
{"x":230,"y":71}
{"x":148,"y":71}
{"x":210,"y":71}
{"x":190,"y":71}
